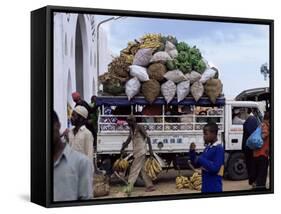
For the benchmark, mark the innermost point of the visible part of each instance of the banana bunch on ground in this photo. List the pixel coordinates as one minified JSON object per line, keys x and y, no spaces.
{"x":196,"y":181}
{"x":182,"y":182}
{"x":152,"y":168}
{"x":151,"y":40}
{"x":120,"y":165}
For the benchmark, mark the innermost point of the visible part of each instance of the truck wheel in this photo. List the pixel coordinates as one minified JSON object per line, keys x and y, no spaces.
{"x":106,"y":166}
{"x":236,"y":168}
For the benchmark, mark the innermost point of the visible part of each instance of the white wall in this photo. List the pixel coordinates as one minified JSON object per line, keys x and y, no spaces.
{"x":65,"y":60}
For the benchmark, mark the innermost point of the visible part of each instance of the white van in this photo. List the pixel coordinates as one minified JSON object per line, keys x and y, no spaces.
{"x":172,"y":128}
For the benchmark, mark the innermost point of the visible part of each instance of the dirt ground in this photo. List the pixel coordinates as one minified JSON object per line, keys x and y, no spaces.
{"x":165,"y":185}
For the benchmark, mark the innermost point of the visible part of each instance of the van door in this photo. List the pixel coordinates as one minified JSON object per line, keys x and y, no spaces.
{"x":236,"y":116}
{"x":234,"y":125}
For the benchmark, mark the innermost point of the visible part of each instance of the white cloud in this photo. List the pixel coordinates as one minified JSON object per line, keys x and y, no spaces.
{"x":239,"y":56}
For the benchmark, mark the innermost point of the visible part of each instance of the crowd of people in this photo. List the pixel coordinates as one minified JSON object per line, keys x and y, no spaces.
{"x":74,"y":167}
{"x":73,"y":158}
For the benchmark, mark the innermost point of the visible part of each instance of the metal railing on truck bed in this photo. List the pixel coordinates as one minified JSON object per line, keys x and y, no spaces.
{"x":162,"y":121}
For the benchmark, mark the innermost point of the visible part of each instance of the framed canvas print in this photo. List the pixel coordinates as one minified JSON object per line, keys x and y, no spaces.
{"x":134,"y":106}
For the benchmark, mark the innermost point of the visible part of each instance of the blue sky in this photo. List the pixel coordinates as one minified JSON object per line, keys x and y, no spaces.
{"x":237,"y":49}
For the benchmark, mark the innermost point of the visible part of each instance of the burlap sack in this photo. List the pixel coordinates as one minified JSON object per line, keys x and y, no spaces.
{"x":160,"y":56}
{"x":183,"y":89}
{"x":132,"y":87}
{"x":168,"y":90}
{"x":194,"y":76}
{"x":113,"y":86}
{"x":156,"y":71}
{"x":139,"y":72}
{"x":169,"y":46}
{"x":197,"y":90}
{"x":100,"y":186}
{"x":143,"y":57}
{"x":173,"y":53}
{"x":151,"y":90}
{"x":176,"y":76}
{"x":208,"y":74}
{"x":213,"y":88}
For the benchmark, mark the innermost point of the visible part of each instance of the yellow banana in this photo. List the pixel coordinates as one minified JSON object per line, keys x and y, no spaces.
{"x":147,"y":164}
{"x":125,"y":164}
{"x":191,"y":186}
{"x":157,"y":165}
{"x":152,"y":173}
{"x":197,"y":183}
{"x":116,"y":164}
{"x":122,"y":165}
{"x":149,"y":174}
{"x":182,"y":182}
{"x":155,"y":168}
{"x":198,"y":187}
{"x":185,"y":179}
{"x":179,"y":186}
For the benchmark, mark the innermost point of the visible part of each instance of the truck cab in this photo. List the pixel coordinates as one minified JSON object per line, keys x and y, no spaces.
{"x":233,"y":135}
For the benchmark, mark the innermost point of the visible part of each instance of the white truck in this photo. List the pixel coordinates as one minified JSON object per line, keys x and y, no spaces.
{"x":172,"y":128}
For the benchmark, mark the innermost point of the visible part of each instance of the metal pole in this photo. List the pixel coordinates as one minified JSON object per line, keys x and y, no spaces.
{"x":98,"y":27}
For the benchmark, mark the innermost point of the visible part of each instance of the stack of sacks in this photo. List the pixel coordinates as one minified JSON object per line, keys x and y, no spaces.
{"x":156,"y":65}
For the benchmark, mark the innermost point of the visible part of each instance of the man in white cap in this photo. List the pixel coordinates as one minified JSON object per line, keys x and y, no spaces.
{"x":236,"y":120}
{"x":80,"y":138}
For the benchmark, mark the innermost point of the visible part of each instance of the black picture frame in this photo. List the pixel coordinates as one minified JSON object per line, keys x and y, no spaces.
{"x":42,"y":103}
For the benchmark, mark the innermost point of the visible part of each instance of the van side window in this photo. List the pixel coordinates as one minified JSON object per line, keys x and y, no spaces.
{"x":239,"y":115}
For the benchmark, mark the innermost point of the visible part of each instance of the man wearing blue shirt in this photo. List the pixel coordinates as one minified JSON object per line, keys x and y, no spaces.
{"x":73,"y":172}
{"x":211,"y":160}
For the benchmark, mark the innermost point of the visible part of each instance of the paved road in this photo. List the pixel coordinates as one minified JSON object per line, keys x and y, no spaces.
{"x":165,"y":185}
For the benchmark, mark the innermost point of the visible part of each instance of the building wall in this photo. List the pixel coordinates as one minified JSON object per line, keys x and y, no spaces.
{"x":65,"y":59}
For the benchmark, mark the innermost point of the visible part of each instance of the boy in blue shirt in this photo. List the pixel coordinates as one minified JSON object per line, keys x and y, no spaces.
{"x":211,"y":160}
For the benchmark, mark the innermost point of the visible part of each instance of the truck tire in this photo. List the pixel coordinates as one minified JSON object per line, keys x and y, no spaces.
{"x":106,"y":165}
{"x":236,"y":167}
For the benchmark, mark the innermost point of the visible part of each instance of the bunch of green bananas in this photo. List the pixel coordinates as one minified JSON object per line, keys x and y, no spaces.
{"x":120,"y":165}
{"x":152,"y":168}
{"x":151,"y":40}
{"x":182,"y":182}
{"x":195,"y":181}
